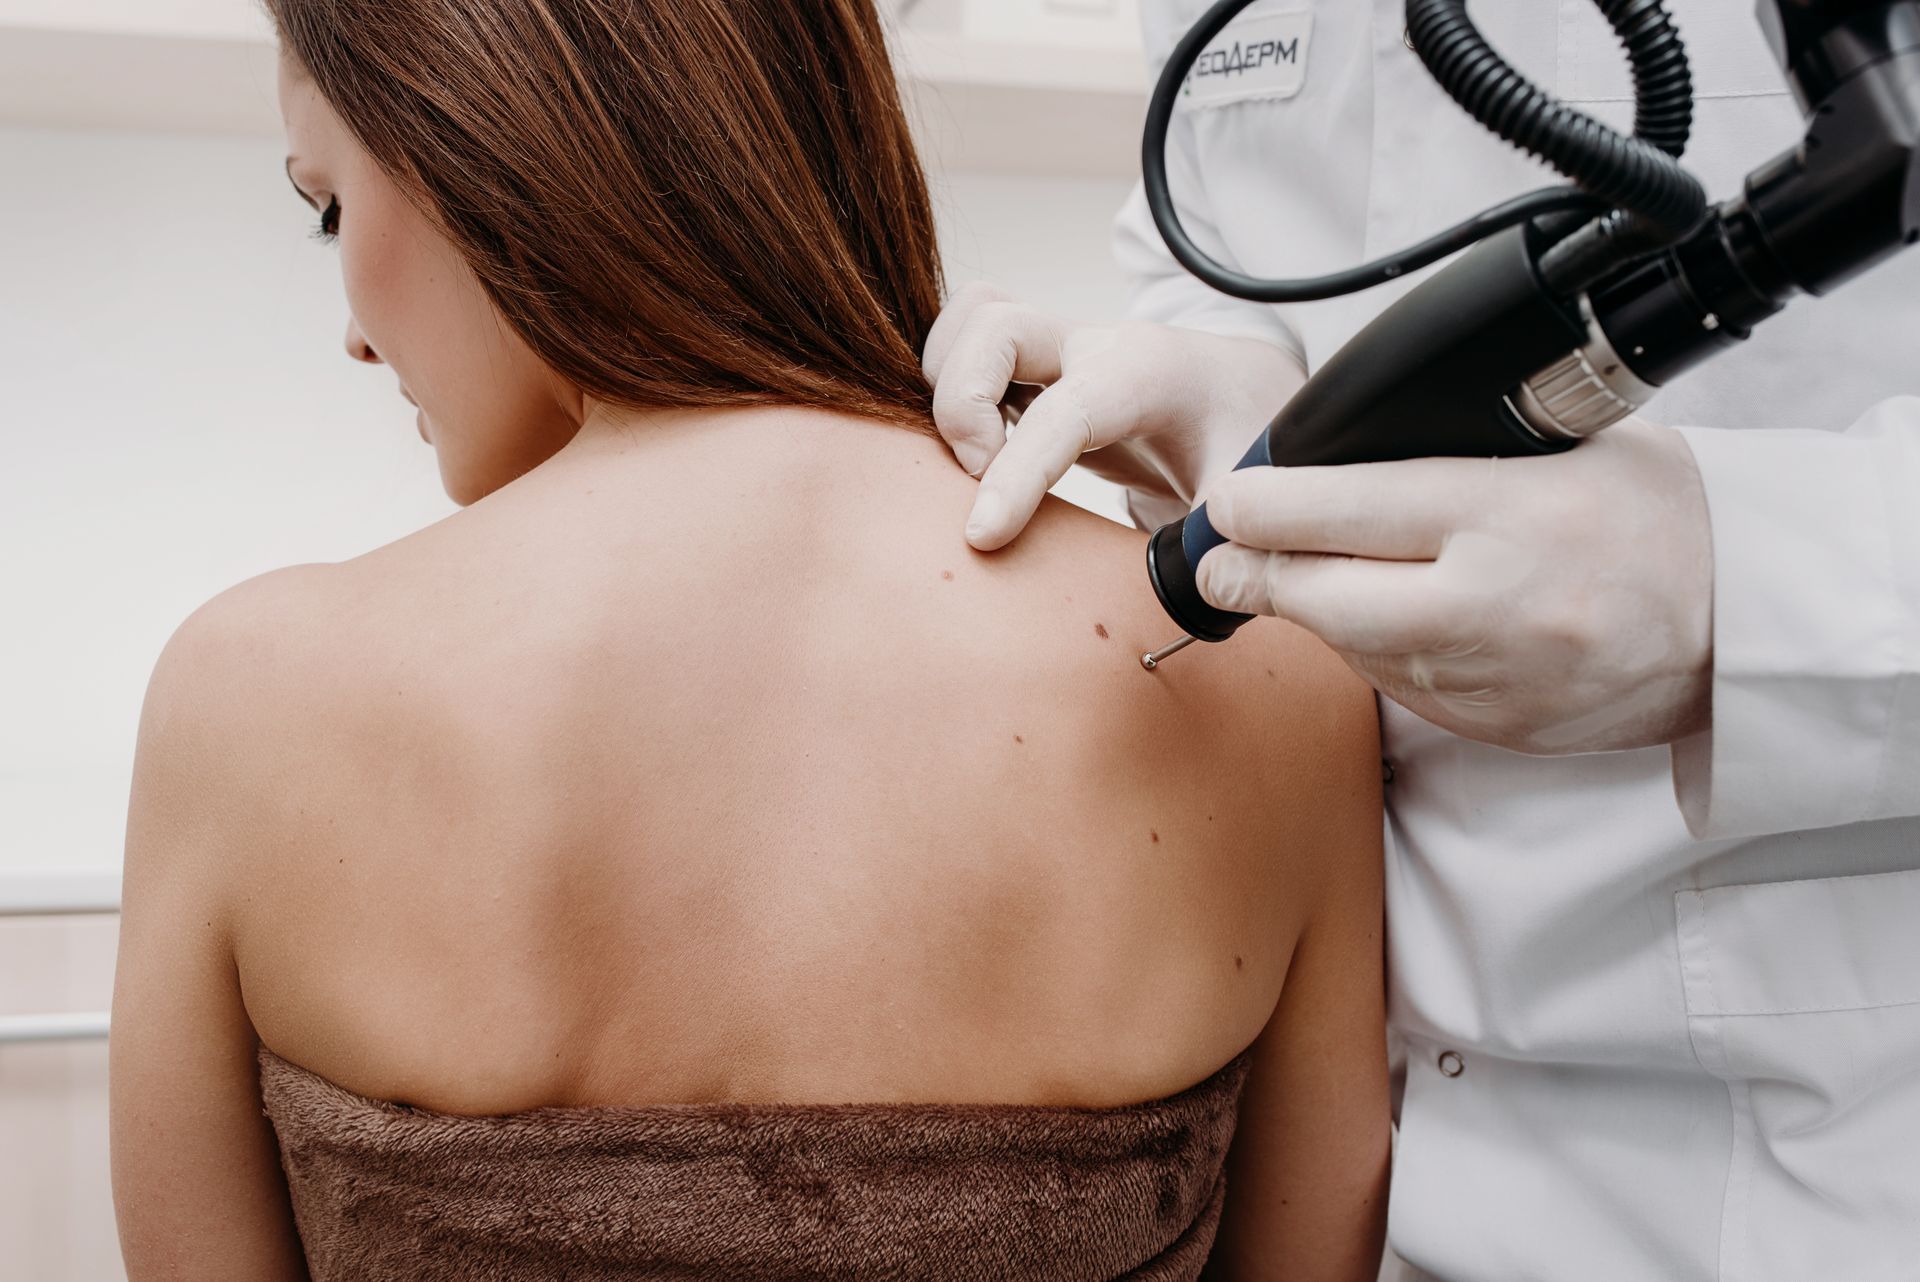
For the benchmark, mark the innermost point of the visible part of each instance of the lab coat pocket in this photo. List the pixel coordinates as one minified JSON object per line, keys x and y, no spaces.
{"x":1804,"y":998}
{"x":1726,"y":52}
{"x":1742,"y":111}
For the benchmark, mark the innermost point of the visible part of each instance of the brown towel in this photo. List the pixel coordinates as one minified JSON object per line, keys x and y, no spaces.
{"x":1009,"y":1193}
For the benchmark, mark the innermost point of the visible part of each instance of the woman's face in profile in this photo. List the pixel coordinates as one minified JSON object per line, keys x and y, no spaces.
{"x":491,"y":408}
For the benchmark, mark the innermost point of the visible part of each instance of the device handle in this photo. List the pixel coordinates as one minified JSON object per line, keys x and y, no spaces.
{"x":1430,"y":377}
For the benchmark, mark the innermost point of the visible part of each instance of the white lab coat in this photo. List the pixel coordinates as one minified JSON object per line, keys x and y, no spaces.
{"x":1681,"y":1054}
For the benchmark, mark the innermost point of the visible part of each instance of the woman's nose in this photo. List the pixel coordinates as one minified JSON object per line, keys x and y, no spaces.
{"x":358,"y":347}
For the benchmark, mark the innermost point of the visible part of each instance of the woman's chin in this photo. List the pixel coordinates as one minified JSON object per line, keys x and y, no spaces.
{"x":458,"y":490}
{"x":464,"y":483}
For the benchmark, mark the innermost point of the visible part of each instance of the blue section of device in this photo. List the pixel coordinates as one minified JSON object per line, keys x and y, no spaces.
{"x":1197,"y":535}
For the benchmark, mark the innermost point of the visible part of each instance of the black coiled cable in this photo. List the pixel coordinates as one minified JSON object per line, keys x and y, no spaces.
{"x":1650,"y":200}
{"x":1654,"y":201}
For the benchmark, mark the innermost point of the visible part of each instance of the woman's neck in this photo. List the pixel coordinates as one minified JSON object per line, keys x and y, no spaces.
{"x":770,"y":442}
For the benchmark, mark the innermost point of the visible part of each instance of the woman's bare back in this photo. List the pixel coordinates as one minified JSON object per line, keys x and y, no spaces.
{"x":710,"y":764}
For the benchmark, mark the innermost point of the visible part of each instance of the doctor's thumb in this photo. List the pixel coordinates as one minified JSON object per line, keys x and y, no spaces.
{"x":1234,"y":578}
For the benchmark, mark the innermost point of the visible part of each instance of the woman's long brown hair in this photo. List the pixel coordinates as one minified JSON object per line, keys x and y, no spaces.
{"x":675,"y":202}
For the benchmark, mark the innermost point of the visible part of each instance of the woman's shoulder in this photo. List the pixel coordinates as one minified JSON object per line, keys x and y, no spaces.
{"x":298,"y":629}
{"x":1273,"y":686}
{"x":304,"y":637}
{"x":224,"y":706}
{"x":1268,"y":743}
{"x":259,"y":689}
{"x":235,"y":655}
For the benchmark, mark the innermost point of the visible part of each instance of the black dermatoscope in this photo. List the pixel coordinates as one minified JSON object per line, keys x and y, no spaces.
{"x":1576,"y":304}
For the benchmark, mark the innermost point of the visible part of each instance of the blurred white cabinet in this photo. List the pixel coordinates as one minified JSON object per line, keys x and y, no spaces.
{"x":188,"y":66}
{"x":1054,"y":87}
{"x":1070,"y":25}
{"x":229,"y":18}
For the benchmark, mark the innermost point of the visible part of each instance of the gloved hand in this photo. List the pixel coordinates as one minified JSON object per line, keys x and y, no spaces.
{"x":1161,"y":409}
{"x":1549,"y":605}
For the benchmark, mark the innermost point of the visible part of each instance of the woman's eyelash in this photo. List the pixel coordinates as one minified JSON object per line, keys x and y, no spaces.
{"x":329,"y":228}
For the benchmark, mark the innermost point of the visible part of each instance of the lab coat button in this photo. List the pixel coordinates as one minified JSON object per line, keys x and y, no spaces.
{"x":1451,"y":1065}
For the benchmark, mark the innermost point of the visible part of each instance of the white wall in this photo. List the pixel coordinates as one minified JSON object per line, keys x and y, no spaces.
{"x":177,"y":414}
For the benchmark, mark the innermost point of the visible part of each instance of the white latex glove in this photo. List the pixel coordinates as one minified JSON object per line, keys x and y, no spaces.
{"x":1549,"y":605}
{"x":1162,"y":409}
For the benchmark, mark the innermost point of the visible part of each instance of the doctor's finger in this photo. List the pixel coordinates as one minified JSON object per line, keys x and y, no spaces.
{"x":1356,"y":606}
{"x":1053,"y":433}
{"x":998,"y":343}
{"x":1401,"y":511}
{"x":952,"y":318}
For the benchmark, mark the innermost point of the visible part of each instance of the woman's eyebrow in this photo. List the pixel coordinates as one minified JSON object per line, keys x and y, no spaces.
{"x":297,"y":187}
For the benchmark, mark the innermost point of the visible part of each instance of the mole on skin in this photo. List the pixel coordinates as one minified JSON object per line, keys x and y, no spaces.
{"x":1100,"y":630}
{"x":1019,"y":738}
{"x":1156,"y":836}
{"x":948,"y":576}
{"x":1239,"y":963}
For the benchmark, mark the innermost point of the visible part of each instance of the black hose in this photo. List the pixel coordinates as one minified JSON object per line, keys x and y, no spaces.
{"x":1153,"y":169}
{"x":1655,"y":201}
{"x":1639,"y":175}
{"x":1662,"y":82}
